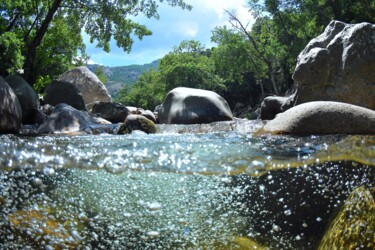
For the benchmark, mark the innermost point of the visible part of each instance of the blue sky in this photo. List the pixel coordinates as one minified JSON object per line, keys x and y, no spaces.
{"x":174,"y":26}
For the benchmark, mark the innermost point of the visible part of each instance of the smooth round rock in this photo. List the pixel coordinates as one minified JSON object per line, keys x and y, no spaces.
{"x":323,"y":117}
{"x":193,"y":106}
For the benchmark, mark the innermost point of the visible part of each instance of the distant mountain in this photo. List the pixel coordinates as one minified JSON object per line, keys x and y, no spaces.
{"x":120,"y":75}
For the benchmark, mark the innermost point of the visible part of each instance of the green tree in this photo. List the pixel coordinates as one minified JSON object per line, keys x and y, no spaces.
{"x":99,"y":72}
{"x":147,"y":92}
{"x":189,"y":66}
{"x":237,"y":66}
{"x":33,"y":21}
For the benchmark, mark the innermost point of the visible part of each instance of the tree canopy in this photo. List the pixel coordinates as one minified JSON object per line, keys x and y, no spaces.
{"x":44,"y":37}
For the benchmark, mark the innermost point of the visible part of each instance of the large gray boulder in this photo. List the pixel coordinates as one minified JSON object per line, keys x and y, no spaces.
{"x":89,"y":85}
{"x":193,"y":106}
{"x":10,"y":109}
{"x":27,"y":97}
{"x":66,"y":119}
{"x":111,"y":111}
{"x":339,"y":65}
{"x":64,"y":92}
{"x":323,"y":117}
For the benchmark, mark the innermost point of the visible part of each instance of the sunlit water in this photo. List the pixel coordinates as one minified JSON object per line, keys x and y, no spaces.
{"x":176,"y":191}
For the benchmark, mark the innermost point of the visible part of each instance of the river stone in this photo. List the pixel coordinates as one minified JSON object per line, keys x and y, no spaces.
{"x":66,"y":119}
{"x":137,"y":122}
{"x":88,"y":84}
{"x":339,"y":65}
{"x":10,"y":109}
{"x":111,"y":111}
{"x":27,"y":97}
{"x":323,"y":117}
{"x":149,"y":115}
{"x":64,"y":92}
{"x":358,"y":215}
{"x":273,"y":105}
{"x":193,"y":106}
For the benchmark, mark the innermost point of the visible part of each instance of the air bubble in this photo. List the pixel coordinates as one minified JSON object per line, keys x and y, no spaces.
{"x":48,"y":171}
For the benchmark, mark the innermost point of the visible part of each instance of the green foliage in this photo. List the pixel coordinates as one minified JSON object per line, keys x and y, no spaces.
{"x":46,"y":38}
{"x":11,"y":58}
{"x":187,"y":65}
{"x":99,"y":72}
{"x":147,"y":92}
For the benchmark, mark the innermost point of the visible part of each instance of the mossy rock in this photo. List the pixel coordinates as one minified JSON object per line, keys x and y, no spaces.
{"x":137,"y":122}
{"x":354,"y":225}
{"x":36,"y":227}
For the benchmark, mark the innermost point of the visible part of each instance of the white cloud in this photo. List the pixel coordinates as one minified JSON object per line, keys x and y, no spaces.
{"x":219,"y":6}
{"x":174,"y":26}
{"x":189,"y":29}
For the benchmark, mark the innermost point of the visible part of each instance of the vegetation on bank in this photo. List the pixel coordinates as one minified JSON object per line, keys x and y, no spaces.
{"x":247,"y":64}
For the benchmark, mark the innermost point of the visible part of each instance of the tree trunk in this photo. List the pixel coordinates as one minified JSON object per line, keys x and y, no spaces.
{"x":29,"y":66}
{"x":335,"y":5}
{"x":272,"y":76}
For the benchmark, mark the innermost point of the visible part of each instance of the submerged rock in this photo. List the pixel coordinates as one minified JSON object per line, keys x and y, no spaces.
{"x":66,"y":119}
{"x":10,"y":109}
{"x":137,"y":122}
{"x":339,"y":66}
{"x":40,"y":228}
{"x":323,"y":118}
{"x":193,"y":106}
{"x":354,"y":225}
{"x":291,"y":208}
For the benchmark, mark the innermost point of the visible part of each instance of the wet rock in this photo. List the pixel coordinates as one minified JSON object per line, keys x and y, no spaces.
{"x":273,"y":105}
{"x":10,"y":109}
{"x":354,"y":225}
{"x":40,"y":228}
{"x":149,"y":115}
{"x":27,"y":97}
{"x":193,"y":106}
{"x":47,"y":109}
{"x":137,"y":122}
{"x":339,"y":66}
{"x":111,"y":111}
{"x":88,"y":84}
{"x":64,"y":92}
{"x":323,"y":118}
{"x":66,"y":119}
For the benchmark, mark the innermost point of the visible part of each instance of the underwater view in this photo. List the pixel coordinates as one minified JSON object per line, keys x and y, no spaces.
{"x":222,"y":190}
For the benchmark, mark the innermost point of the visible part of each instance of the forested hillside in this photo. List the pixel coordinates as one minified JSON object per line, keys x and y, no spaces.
{"x":117,"y":77}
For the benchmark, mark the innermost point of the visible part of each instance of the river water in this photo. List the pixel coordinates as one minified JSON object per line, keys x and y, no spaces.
{"x":223,"y":190}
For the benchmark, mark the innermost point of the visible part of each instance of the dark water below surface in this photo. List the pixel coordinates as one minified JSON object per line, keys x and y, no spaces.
{"x":224,"y":190}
